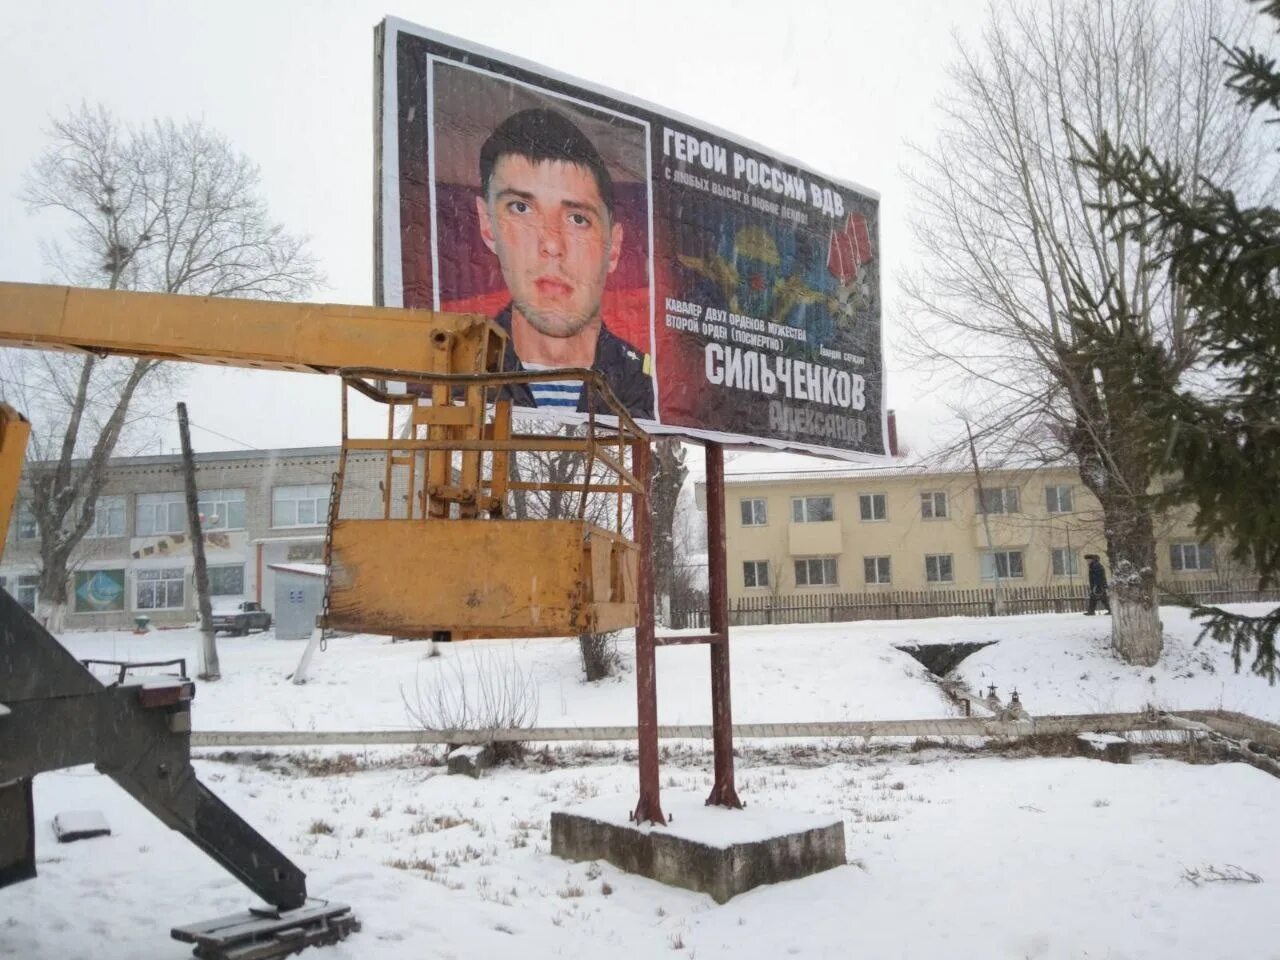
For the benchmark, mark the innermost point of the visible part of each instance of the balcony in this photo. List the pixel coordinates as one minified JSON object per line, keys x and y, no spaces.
{"x":814,"y":539}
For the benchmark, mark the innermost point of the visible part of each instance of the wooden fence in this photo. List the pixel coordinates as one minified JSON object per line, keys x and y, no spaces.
{"x":916,"y":604}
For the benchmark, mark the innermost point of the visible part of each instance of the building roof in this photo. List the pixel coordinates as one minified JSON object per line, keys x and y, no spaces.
{"x":217,"y":456}
{"x":306,"y":569}
{"x":790,"y":468}
{"x":214,"y":456}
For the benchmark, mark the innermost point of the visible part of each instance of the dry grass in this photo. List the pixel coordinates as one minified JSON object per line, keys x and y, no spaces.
{"x":304,"y":763}
{"x":421,"y":863}
{"x":443,"y":821}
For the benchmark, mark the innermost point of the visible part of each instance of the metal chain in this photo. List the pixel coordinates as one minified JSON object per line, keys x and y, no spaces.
{"x":328,"y":559}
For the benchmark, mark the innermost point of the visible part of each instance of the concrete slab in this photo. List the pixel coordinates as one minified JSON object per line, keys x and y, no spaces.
{"x":1105,"y":746}
{"x":708,"y":849}
{"x":72,"y":825}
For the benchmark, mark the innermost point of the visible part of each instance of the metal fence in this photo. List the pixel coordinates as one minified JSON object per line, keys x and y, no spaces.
{"x":918,"y":604}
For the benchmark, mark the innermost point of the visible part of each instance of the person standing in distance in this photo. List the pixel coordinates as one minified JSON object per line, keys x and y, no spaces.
{"x":546,"y":211}
{"x":1097,"y":585}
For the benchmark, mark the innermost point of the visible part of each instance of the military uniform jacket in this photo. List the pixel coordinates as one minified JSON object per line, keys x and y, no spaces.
{"x":624,"y":368}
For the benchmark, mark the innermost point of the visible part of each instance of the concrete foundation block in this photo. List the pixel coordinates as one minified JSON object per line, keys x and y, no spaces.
{"x":73,"y":825}
{"x":1104,"y":746}
{"x":708,"y":849}
{"x":470,"y":760}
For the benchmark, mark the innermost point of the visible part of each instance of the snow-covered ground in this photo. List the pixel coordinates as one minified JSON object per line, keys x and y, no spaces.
{"x":950,"y":855}
{"x":1059,"y":663}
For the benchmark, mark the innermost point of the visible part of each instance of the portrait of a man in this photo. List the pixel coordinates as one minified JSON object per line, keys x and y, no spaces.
{"x":546,"y":211}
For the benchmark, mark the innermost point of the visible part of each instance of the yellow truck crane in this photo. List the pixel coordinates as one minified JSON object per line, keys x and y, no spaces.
{"x":442,"y":481}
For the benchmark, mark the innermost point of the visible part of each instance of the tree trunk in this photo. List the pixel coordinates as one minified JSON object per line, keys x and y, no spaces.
{"x":52,"y":614}
{"x":1136,"y":633}
{"x":669,"y":473}
{"x":599,"y":654}
{"x":51,"y":589}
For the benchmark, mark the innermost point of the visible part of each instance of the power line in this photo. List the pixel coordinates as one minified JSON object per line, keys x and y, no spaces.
{"x":172,"y":418}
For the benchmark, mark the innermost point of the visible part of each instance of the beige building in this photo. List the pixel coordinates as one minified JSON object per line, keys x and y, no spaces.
{"x":260,"y":507}
{"x":853,"y":530}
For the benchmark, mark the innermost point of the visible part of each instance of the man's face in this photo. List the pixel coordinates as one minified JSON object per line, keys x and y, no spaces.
{"x":554,"y":240}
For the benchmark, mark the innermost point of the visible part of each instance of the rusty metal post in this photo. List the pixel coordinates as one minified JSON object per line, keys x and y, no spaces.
{"x":649,"y":808}
{"x":723,"y":792}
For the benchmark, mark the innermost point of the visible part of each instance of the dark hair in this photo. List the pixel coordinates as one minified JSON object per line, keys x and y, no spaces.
{"x":539,"y":135}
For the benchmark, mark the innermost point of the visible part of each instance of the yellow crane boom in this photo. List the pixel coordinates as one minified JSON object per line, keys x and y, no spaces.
{"x":442,"y":488}
{"x":303,"y":337}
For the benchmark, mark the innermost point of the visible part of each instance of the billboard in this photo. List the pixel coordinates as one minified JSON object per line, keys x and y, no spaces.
{"x":724,"y":291}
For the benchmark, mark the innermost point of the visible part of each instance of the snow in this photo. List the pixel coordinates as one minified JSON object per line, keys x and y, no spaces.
{"x":80,"y":824}
{"x":1100,"y":741}
{"x":951,"y":854}
{"x":307,"y":569}
{"x":691,"y":819}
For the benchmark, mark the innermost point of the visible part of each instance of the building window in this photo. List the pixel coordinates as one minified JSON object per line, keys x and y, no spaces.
{"x":999,"y":500}
{"x":1005,"y":564}
{"x":222,"y":510}
{"x":933,"y":505}
{"x":816,"y":572}
{"x":226,"y":580}
{"x":28,"y":529}
{"x":872,"y":506}
{"x":301,"y":506}
{"x":159,"y":589}
{"x":754,"y":512}
{"x":755,"y":573}
{"x":938,"y":568}
{"x":812,"y":509}
{"x":98,"y":591}
{"x":1058,"y":499}
{"x":108,"y":519}
{"x":157,"y":513}
{"x":24,"y":589}
{"x":876,"y":570}
{"x":1065,"y":562}
{"x":1191,"y":556}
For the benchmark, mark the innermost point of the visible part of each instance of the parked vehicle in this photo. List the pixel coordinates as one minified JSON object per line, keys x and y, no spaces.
{"x":239,"y":618}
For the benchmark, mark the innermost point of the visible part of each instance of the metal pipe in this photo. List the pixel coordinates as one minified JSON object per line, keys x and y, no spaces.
{"x":723,"y":791}
{"x":649,"y":807}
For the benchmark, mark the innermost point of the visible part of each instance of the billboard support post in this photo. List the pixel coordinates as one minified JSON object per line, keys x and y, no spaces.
{"x":723,"y":792}
{"x":649,"y":807}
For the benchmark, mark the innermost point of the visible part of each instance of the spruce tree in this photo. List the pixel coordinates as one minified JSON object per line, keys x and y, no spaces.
{"x":1221,"y":441}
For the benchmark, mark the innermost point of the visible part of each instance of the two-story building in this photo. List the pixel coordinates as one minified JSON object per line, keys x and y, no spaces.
{"x":258,"y":508}
{"x":854,"y":529}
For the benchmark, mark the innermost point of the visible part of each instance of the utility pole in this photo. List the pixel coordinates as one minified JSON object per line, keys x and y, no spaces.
{"x":208,"y":646}
{"x":986,"y":523}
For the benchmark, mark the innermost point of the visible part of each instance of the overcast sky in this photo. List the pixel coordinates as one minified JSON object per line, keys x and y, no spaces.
{"x":841,"y":86}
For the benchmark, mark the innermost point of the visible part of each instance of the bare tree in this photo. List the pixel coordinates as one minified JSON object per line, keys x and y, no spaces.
{"x":164,"y":207}
{"x":1025,"y":277}
{"x":558,"y":468}
{"x":669,"y":475}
